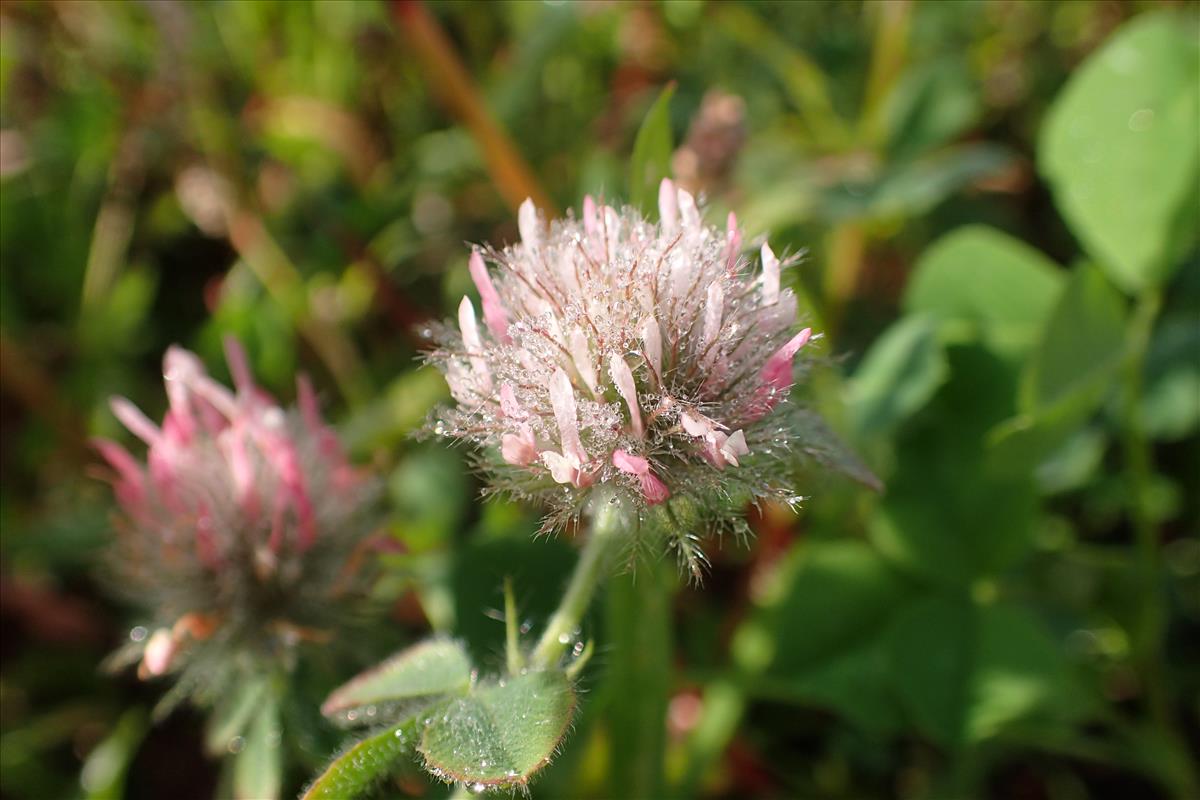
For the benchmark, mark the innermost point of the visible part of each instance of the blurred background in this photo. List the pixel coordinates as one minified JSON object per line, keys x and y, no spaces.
{"x":996,"y":202}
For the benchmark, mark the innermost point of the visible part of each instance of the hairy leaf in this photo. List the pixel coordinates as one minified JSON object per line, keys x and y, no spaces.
{"x":501,"y":733}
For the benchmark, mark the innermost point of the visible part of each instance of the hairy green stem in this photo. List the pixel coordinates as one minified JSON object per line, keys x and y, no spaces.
{"x":604,"y":542}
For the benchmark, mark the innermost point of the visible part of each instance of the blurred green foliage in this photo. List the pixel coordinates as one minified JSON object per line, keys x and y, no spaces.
{"x":997,"y":204}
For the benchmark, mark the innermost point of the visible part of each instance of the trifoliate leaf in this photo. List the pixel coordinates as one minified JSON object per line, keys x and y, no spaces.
{"x":501,"y":733}
{"x":365,"y":763}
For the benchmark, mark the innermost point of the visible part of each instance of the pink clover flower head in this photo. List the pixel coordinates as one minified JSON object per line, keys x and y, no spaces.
{"x":241,"y":517}
{"x":653,"y":356}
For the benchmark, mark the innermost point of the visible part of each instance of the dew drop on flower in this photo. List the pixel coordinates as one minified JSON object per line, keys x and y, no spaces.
{"x":138,"y":634}
{"x":236,"y":745}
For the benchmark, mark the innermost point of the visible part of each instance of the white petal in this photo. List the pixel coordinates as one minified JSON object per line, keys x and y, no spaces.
{"x":770,"y":276}
{"x":582,"y":356}
{"x":652,"y":344}
{"x":713,"y":311}
{"x":668,"y":206}
{"x":688,"y":213}
{"x":623,"y":377}
{"x":529,"y":224}
{"x":562,"y":398}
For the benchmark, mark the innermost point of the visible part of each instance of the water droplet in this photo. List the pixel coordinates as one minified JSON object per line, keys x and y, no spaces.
{"x":371,"y":711}
{"x":138,"y":634}
{"x":1141,"y":120}
{"x":477,"y":788}
{"x":526,"y":627}
{"x":236,"y":745}
{"x":351,"y":715}
{"x":564,"y":638}
{"x":399,"y":733}
{"x":577,"y":650}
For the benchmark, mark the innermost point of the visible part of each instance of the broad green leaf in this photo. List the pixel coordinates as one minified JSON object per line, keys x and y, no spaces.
{"x":424,"y":671}
{"x":258,"y":766}
{"x":501,"y":733}
{"x":1120,"y":148}
{"x":983,"y":276}
{"x":365,"y":763}
{"x":651,"y":161}
{"x":947,"y":518}
{"x":965,"y":671}
{"x":899,"y":374}
{"x":1080,"y":348}
{"x":825,"y":598}
{"x":816,"y":634}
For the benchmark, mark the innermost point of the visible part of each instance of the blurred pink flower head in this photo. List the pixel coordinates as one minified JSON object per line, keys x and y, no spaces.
{"x":616,"y":350}
{"x":243,"y":514}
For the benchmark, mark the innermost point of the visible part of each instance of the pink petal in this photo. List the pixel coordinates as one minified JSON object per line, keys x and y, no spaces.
{"x":239,"y":366}
{"x":777,"y":372}
{"x":770,"y":276}
{"x":627,"y":462}
{"x":519,"y":449}
{"x":180,"y":370}
{"x":160,"y":650}
{"x":494,"y":312}
{"x":623,"y":378}
{"x":509,"y":405}
{"x":653,"y":489}
{"x":131,"y":485}
{"x":134,"y":420}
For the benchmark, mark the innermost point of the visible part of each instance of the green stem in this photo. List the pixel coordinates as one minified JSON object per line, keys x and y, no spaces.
{"x":604,"y":542}
{"x":1140,"y":469}
{"x":1152,"y":618}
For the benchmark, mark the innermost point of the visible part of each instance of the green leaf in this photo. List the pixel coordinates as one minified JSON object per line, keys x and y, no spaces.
{"x":501,"y":733}
{"x":985,"y":277}
{"x":258,"y":766}
{"x":930,"y":104}
{"x":1120,"y":148}
{"x":651,"y":161}
{"x":1081,"y":346}
{"x":945,"y":517}
{"x":365,"y":763}
{"x":964,"y":672}
{"x":232,"y":713}
{"x":1171,"y":404}
{"x":816,"y":635}
{"x":899,"y":374}
{"x":422,"y":672}
{"x":104,"y":771}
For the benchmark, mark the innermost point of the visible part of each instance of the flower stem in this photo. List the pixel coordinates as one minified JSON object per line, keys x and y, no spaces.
{"x":604,"y":542}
